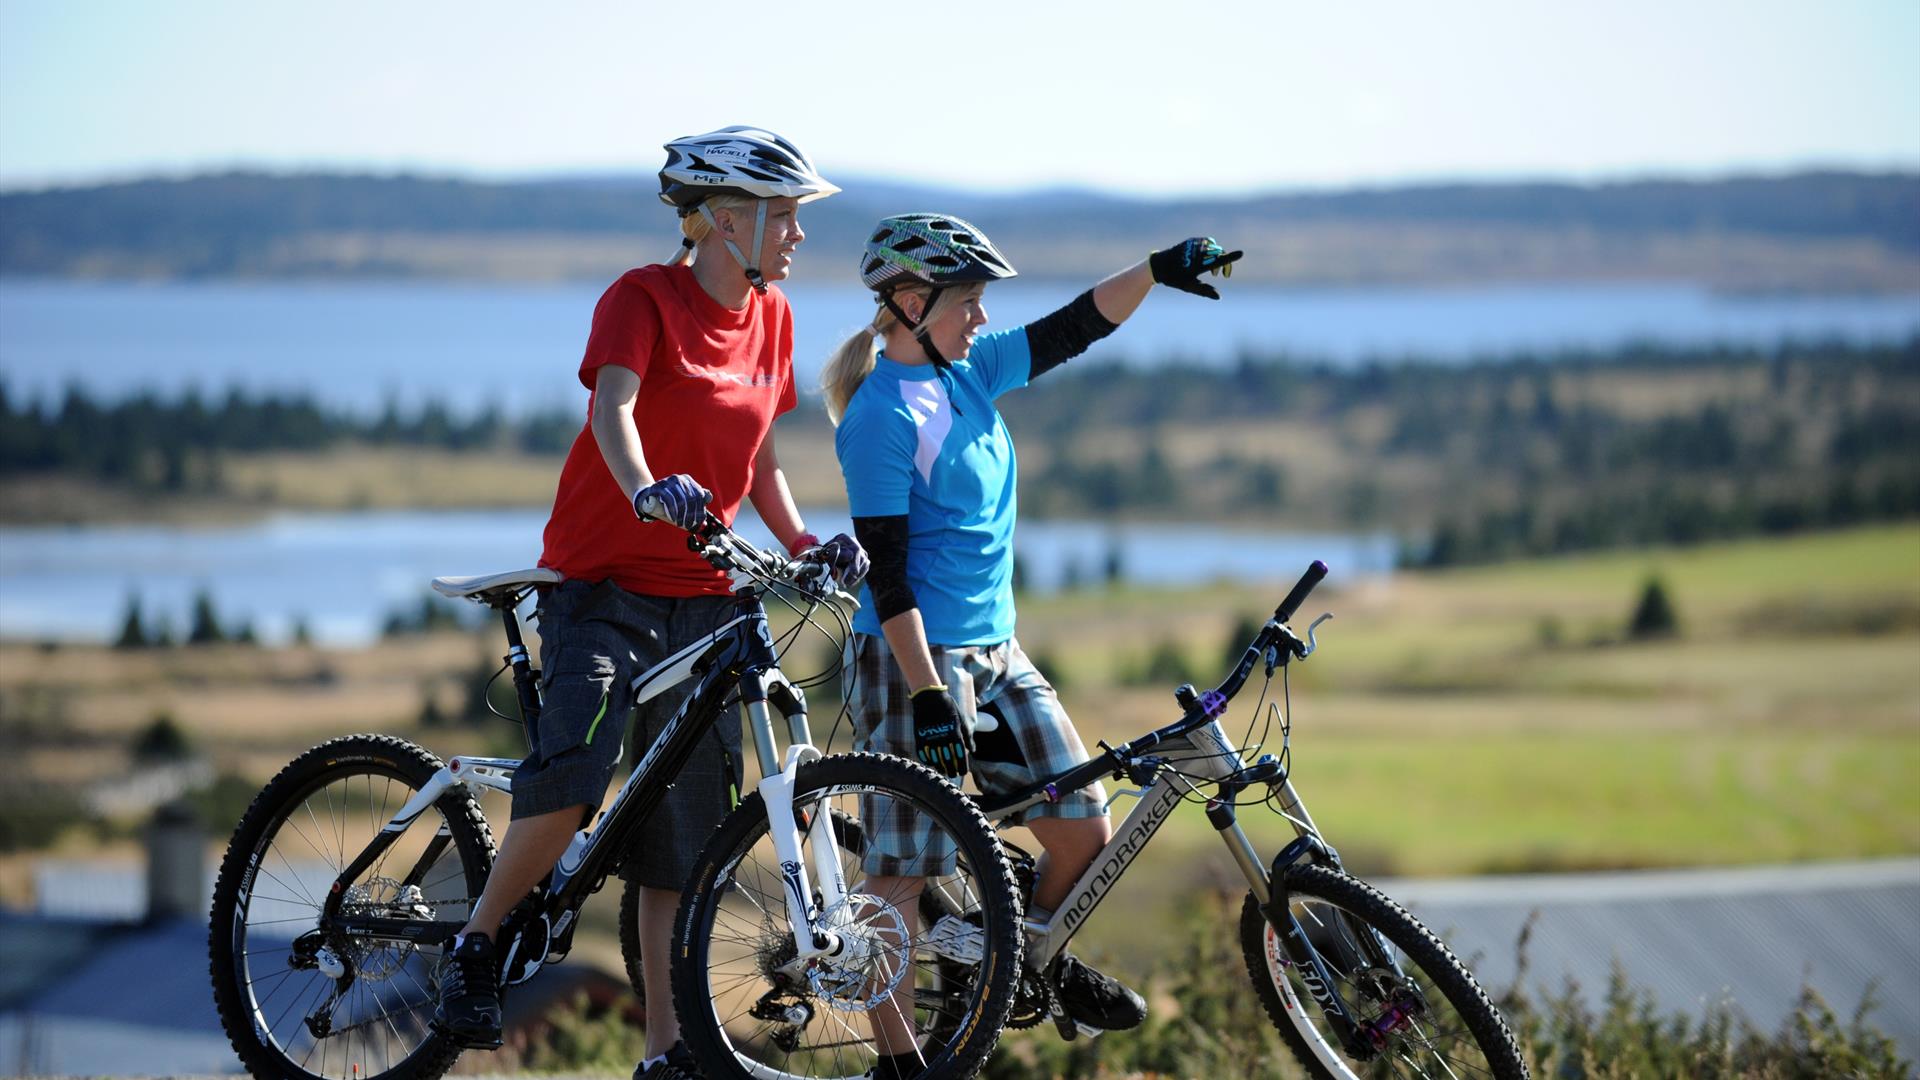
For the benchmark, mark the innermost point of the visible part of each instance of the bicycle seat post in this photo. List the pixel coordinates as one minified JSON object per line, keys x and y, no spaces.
{"x":524,"y":690}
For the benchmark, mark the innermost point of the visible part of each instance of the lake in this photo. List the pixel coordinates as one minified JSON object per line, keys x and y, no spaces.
{"x":342,"y":574}
{"x":357,"y":345}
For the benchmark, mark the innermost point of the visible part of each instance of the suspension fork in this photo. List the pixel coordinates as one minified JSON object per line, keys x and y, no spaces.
{"x":776,"y":785}
{"x":1276,"y":905}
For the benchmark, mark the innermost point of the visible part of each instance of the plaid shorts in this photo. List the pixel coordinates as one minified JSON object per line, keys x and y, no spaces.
{"x":594,"y":638}
{"x":1035,"y":740}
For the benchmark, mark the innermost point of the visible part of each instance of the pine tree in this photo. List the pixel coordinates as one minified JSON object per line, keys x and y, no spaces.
{"x":133,"y":630}
{"x":1654,"y":616}
{"x":206,"y":625}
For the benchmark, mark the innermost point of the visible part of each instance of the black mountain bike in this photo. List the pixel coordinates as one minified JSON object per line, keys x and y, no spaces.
{"x":347,"y":878}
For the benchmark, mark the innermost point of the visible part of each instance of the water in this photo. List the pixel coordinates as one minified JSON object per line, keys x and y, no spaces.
{"x":342,"y":574}
{"x":358,"y":345}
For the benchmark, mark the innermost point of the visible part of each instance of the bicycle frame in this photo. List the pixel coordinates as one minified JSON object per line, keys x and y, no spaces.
{"x":1214,"y":760}
{"x":1156,"y":804}
{"x":739,"y":654}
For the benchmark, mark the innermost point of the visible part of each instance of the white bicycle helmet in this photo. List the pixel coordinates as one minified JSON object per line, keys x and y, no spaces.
{"x":738,"y":160}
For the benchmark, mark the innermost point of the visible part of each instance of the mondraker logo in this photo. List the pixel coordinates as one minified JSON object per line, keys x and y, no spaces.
{"x":1083,"y":904}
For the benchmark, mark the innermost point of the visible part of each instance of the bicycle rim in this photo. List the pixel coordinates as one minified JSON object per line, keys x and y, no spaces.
{"x":286,"y":986}
{"x":775,"y":1023}
{"x":1425,"y":1014}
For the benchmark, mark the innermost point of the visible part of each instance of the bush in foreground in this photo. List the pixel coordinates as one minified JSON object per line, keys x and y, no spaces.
{"x":1206,"y":1023}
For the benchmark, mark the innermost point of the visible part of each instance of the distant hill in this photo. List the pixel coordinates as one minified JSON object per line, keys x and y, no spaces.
{"x":1821,"y":231}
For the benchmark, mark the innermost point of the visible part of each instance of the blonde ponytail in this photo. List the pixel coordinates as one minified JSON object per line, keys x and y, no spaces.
{"x":695,"y":227}
{"x":852,"y":362}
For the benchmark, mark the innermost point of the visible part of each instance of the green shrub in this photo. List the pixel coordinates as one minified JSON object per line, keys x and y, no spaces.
{"x":162,"y":740}
{"x":1206,"y":1022}
{"x":1653,"y":616}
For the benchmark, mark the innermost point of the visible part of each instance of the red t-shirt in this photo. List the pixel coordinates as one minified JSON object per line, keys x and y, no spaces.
{"x":712,"y":380}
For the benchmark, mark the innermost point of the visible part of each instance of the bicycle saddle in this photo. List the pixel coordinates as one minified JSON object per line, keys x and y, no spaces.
{"x":478,"y":586}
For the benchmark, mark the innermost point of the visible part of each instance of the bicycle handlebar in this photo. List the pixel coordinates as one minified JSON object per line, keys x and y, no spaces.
{"x":724,"y":549}
{"x":1298,"y":596}
{"x":1274,"y":633}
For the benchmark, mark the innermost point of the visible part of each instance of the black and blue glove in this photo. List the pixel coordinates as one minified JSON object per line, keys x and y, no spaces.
{"x":843,"y":558}
{"x":941,"y":738}
{"x":677,"y":499}
{"x":1180,"y":266}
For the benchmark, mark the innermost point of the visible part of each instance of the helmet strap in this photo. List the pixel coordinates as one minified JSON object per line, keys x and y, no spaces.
{"x":759,"y":231}
{"x":918,"y":327}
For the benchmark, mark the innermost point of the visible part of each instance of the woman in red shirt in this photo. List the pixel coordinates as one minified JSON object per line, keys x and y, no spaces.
{"x":689,"y":363}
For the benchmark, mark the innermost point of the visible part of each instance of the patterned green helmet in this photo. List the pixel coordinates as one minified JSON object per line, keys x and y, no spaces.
{"x":931,"y":249}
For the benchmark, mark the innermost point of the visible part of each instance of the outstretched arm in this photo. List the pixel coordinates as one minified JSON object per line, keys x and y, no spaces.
{"x":1119,"y":296}
{"x":1054,"y":339}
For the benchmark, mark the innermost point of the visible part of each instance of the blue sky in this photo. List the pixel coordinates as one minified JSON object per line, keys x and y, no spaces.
{"x":1129,"y":97}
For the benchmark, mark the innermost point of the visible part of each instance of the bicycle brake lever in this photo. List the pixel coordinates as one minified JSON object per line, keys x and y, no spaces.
{"x":1311,"y":643}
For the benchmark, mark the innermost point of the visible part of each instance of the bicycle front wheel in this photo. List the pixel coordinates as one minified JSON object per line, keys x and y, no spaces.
{"x":1422,"y":1011}
{"x":749,"y":1008}
{"x":297,"y":1002}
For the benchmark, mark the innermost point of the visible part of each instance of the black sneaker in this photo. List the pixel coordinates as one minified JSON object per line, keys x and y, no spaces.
{"x":1096,"y":1000}
{"x":677,"y":1065}
{"x":469,"y":1008}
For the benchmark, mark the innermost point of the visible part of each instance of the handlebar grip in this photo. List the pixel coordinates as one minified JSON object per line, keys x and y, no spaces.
{"x":1301,"y":588}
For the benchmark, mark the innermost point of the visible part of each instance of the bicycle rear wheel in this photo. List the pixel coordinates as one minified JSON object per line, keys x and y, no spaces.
{"x":1426,"y":1015}
{"x":748,"y":1009}
{"x":277,"y":980}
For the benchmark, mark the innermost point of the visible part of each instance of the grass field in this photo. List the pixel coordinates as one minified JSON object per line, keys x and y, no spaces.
{"x":1482,"y":720}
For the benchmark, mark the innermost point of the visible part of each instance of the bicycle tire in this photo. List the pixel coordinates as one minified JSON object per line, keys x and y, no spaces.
{"x":630,"y":940}
{"x":736,"y":882}
{"x":298,"y":834}
{"x":1473,"y":1040}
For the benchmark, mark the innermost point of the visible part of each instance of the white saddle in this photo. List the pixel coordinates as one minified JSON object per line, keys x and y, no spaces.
{"x":466,"y":588}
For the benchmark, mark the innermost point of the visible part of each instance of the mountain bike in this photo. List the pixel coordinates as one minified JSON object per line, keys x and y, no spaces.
{"x":1354,"y":984}
{"x":349,"y":875}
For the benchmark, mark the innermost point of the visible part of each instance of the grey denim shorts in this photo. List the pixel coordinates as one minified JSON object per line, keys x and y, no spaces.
{"x":594,"y":639}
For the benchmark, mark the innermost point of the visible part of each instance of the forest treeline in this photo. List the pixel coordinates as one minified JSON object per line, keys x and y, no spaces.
{"x":1524,"y":455}
{"x":255,"y":223}
{"x":1491,"y":460}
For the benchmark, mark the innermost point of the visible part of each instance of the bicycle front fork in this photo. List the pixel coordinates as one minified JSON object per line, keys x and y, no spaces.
{"x":807,"y":901}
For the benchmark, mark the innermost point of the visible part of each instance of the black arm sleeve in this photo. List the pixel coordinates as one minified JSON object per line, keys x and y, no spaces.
{"x":885,"y":542}
{"x":1054,"y":339}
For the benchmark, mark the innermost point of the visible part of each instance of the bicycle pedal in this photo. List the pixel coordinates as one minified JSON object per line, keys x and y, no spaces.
{"x":957,"y":940}
{"x":1071,"y":1029}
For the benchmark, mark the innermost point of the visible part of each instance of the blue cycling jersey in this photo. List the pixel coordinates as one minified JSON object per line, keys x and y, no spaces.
{"x":905,"y":448}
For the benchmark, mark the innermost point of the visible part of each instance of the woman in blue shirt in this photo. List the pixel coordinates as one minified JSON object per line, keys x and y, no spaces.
{"x":931,"y":483}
